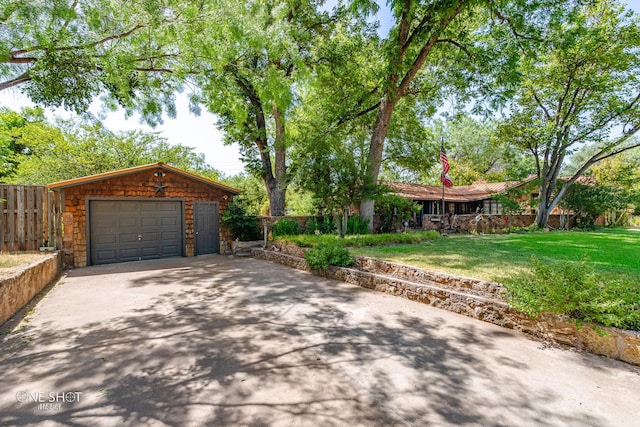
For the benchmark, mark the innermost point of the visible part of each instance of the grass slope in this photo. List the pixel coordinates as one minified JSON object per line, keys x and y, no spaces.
{"x":498,"y":257}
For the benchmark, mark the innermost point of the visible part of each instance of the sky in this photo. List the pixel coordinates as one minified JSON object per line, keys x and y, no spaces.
{"x":186,"y":129}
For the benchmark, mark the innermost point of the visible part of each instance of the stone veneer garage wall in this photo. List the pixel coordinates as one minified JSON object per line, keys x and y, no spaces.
{"x":136,"y":186}
{"x":18,"y":290}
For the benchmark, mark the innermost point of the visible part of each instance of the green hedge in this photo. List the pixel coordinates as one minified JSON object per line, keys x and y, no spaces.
{"x":285,"y":227}
{"x":307,"y":241}
{"x":326,"y":254}
{"x":242,"y":226}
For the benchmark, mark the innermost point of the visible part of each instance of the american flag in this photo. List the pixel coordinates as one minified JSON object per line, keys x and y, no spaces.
{"x":444,"y":176}
{"x":443,"y":159}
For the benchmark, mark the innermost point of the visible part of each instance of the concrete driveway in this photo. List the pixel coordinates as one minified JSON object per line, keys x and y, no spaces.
{"x":241,"y":342}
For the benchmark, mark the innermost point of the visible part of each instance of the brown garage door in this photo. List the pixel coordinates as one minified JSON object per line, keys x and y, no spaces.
{"x":134,"y":230}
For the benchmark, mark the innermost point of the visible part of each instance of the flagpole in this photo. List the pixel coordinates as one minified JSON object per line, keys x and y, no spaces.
{"x":441,"y":147}
{"x":443,"y":205}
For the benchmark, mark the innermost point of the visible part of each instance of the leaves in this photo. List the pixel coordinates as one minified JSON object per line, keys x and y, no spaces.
{"x":579,"y":83}
{"x":575,"y":290}
{"x":46,"y":153}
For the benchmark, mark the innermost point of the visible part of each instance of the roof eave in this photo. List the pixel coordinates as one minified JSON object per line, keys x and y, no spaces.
{"x":137,"y":169}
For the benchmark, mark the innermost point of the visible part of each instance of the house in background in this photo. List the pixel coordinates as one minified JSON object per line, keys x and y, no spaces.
{"x":463,"y":199}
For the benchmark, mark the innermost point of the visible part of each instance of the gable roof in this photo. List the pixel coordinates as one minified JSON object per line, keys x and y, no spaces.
{"x":460,"y":193}
{"x":136,"y":169}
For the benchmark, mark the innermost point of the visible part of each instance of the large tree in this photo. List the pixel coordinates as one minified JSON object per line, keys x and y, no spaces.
{"x":72,"y":148}
{"x":435,"y":50}
{"x":329,"y":159}
{"x":242,"y":60}
{"x":67,"y":52}
{"x":17,"y":130}
{"x":580,"y":85}
{"x":251,"y":59}
{"x":419,"y":30}
{"x":473,"y":150}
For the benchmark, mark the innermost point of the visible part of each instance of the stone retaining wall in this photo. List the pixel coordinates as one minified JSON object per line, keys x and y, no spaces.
{"x":473,"y":298}
{"x":488,"y":224}
{"x":17,"y":291}
{"x":413,"y":274}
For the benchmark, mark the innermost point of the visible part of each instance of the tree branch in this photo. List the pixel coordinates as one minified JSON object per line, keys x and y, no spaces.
{"x":24,"y":77}
{"x":24,"y":60}
{"x":68,"y":21}
{"x":606,"y":120}
{"x":153,"y":69}
{"x":566,"y":92}
{"x":359,"y":114}
{"x":457,"y":44}
{"x":80,"y":47}
{"x":541,"y":105}
{"x":424,"y":52}
{"x":603,"y":154}
{"x":404,"y":27}
{"x":404,"y":44}
{"x":512,"y":27}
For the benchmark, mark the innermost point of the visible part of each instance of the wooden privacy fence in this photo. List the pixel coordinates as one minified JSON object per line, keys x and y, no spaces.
{"x":31,"y":217}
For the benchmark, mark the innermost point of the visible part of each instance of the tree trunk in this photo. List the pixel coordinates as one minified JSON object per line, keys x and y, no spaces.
{"x":277,"y":194}
{"x":542,"y":217}
{"x":344,"y":219}
{"x":274,"y":181}
{"x":376,"y":148}
{"x":547,"y":200}
{"x":276,"y":200}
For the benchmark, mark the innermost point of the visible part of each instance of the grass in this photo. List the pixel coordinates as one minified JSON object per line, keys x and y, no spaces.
{"x":9,"y":261}
{"x":614,"y":252}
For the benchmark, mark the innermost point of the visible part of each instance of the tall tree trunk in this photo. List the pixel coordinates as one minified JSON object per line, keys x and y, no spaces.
{"x":542,"y":217}
{"x":277,"y":196}
{"x":275,"y":179}
{"x":547,"y":200}
{"x":376,"y":148}
{"x":277,"y":201}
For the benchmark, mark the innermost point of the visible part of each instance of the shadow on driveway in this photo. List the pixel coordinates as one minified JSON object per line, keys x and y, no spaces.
{"x":241,"y":342}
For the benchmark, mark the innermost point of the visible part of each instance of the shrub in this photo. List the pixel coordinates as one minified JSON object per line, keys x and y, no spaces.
{"x":575,"y":290}
{"x":357,"y":224}
{"x":306,"y":241}
{"x":326,"y":226}
{"x":393,"y":211}
{"x":390,"y":239}
{"x":285,"y":227}
{"x":242,"y":226}
{"x":326,"y":254}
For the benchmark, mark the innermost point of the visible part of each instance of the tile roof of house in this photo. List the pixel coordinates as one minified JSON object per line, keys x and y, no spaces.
{"x":136,"y":169}
{"x":460,"y":193}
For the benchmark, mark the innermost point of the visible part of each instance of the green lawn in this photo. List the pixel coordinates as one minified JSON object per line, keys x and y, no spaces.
{"x":498,"y":257}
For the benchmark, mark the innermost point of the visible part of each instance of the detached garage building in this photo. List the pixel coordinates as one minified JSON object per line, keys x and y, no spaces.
{"x":144,"y":212}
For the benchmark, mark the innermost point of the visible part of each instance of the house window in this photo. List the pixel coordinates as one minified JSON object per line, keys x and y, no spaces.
{"x":491,"y":207}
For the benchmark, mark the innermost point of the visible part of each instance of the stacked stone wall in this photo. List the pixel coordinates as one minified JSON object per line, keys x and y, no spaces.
{"x":18,"y":290}
{"x":487,"y":224}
